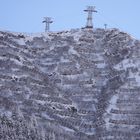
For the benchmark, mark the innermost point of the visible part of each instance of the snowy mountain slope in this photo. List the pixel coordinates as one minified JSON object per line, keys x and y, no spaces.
{"x":78,"y":84}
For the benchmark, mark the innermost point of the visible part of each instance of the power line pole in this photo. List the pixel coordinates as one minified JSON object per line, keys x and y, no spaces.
{"x":90,"y":10}
{"x":48,"y":21}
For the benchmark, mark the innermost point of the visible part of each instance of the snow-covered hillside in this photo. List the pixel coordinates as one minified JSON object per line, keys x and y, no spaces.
{"x":71,"y":85}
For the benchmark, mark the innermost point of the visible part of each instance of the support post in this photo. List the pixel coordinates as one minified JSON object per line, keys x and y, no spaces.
{"x":90,"y":10}
{"x":47,"y":21}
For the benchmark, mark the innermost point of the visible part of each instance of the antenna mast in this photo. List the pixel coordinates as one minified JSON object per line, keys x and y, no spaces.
{"x":105,"y":26}
{"x":48,"y":21}
{"x":90,"y":10}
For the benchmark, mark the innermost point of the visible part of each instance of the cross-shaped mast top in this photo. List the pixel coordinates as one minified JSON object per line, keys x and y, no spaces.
{"x":48,"y":21}
{"x":90,"y":10}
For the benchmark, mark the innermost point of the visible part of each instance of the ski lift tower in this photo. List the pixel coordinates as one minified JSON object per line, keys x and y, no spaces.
{"x":48,"y":21}
{"x":90,"y":10}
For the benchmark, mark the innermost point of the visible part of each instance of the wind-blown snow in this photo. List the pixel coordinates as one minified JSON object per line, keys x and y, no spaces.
{"x":78,"y":84}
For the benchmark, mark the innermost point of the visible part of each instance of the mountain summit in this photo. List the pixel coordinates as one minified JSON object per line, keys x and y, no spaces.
{"x":71,"y":85}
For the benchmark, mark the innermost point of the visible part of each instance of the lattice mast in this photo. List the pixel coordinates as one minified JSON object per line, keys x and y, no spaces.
{"x":90,"y":10}
{"x":48,"y":21}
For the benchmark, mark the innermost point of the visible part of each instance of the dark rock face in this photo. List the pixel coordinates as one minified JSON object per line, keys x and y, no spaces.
{"x":74,"y":85}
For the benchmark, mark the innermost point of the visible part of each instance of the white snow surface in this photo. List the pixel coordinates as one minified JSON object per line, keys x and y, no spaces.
{"x":49,"y":77}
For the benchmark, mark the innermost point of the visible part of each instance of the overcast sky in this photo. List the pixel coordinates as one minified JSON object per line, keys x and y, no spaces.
{"x":27,"y":15}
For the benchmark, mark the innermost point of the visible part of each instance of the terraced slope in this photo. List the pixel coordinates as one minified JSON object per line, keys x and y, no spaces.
{"x":70,"y":85}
